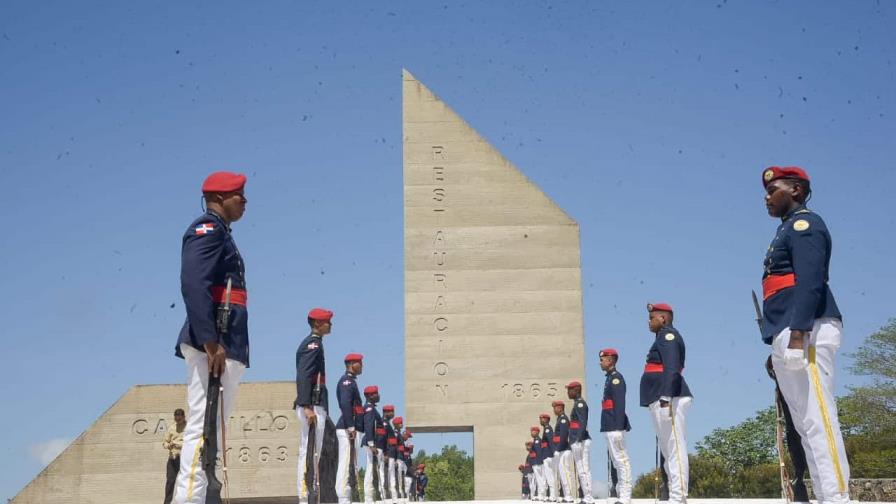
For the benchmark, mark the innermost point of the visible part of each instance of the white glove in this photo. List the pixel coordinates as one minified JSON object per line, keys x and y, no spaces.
{"x":795,"y":359}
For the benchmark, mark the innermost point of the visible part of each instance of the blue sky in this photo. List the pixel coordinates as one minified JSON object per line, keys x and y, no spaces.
{"x":649,"y":123}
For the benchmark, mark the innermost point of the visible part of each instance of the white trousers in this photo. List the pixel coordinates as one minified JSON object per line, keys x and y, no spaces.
{"x":581,"y":454}
{"x":191,"y":479}
{"x":564,"y":469}
{"x":343,"y":489}
{"x":368,"y":474}
{"x":407,"y":486}
{"x":620,"y":460}
{"x":319,"y":426}
{"x":531,"y":477}
{"x":402,"y":478}
{"x":550,"y":475}
{"x":390,"y":477}
{"x":809,"y":393}
{"x":670,"y":429}
{"x":540,"y":481}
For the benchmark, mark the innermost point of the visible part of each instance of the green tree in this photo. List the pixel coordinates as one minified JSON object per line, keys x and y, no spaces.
{"x":868,"y":414}
{"x":749,"y":443}
{"x":450,"y":474}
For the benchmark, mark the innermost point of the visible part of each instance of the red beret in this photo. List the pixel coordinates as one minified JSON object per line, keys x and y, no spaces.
{"x":421,"y":466}
{"x":223,"y":181}
{"x":320,"y":314}
{"x":398,"y":420}
{"x":528,"y":443}
{"x":407,"y":434}
{"x":558,"y":403}
{"x":574,"y":384}
{"x":608,"y":351}
{"x":544,"y":415}
{"x":660,"y":307}
{"x":354,"y":357}
{"x":388,"y":407}
{"x":789,"y":172}
{"x":535,"y":429}
{"x":371,"y":389}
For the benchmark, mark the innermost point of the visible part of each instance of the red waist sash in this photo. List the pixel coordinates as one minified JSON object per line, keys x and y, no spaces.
{"x":237,"y":296}
{"x":773,"y":284}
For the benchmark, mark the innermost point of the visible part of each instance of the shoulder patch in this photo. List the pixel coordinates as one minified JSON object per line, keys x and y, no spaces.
{"x":562,"y":420}
{"x":313,"y":345}
{"x":581,"y":404}
{"x":615,"y":381}
{"x":670,"y":337}
{"x":801,"y":225}
{"x":204,"y":229}
{"x":347,"y":382}
{"x":369,"y":408}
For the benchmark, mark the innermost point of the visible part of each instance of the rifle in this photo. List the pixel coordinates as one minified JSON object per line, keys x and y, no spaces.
{"x":210,"y":440}
{"x":786,"y":489}
{"x":376,"y":474}
{"x":314,"y":491}
{"x":210,"y":425}
{"x":352,"y":468}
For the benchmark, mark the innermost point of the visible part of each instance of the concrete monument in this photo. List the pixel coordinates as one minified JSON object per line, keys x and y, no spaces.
{"x":120,"y":459}
{"x":493,"y":299}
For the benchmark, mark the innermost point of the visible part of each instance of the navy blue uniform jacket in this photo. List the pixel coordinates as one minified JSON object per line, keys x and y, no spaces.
{"x":802,"y":246}
{"x":391,"y":439}
{"x":208,"y":258}
{"x":561,"y":433}
{"x":578,"y":422}
{"x":547,"y":440}
{"x":349,"y":399}
{"x":374,"y":433}
{"x":541,"y":452}
{"x":612,"y":414}
{"x":310,"y":367}
{"x":667,"y":350}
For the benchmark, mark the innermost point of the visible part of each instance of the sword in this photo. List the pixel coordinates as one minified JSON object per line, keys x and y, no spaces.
{"x":758,"y":311}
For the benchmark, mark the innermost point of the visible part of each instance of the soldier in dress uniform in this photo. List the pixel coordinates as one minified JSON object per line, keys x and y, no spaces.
{"x":539,"y":491}
{"x":351,"y":422}
{"x":210,"y":262}
{"x":410,"y":478}
{"x":406,"y":468}
{"x":398,"y":425}
{"x":525,"y":487}
{"x":531,"y":456}
{"x":804,"y":327}
{"x":391,"y":452}
{"x":422,"y":482}
{"x":666,"y":394}
{"x":614,"y":422}
{"x":562,"y":450}
{"x":312,"y":404}
{"x":550,"y":463}
{"x":374,"y":443}
{"x":580,"y":439}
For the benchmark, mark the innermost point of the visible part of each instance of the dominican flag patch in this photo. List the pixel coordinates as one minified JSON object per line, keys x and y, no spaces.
{"x":206,"y":228}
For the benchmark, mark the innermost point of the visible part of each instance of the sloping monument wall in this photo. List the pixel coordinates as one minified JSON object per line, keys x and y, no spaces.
{"x":493,"y":299}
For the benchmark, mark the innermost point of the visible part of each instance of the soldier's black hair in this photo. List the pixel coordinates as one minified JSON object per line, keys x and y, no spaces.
{"x":179,"y":411}
{"x":805,"y":185}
